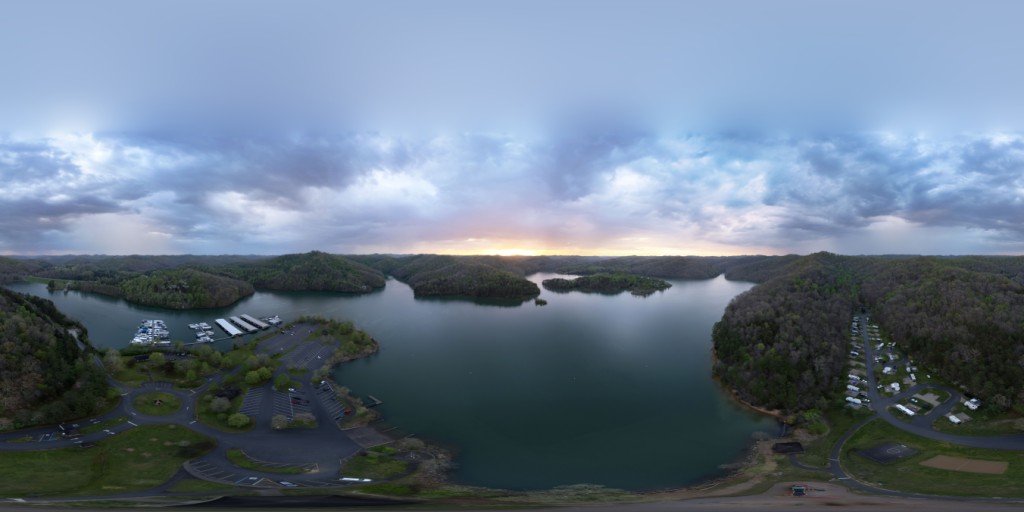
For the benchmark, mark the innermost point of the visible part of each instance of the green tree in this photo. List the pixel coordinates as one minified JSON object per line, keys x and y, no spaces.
{"x":238,"y":420}
{"x":157,"y":359}
{"x":265,"y":374}
{"x":252,"y":377}
{"x":112,"y":360}
{"x":220,"y":404}
{"x":281,"y":382}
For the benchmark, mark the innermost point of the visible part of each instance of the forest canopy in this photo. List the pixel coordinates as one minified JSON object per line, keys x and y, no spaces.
{"x":46,"y":377}
{"x":783,"y":344}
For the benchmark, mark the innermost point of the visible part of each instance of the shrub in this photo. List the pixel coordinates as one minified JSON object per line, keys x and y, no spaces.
{"x":220,"y":404}
{"x":238,"y":420}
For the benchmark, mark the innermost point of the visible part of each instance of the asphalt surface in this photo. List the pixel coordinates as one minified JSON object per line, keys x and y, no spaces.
{"x":921,"y":426}
{"x":323,"y":447}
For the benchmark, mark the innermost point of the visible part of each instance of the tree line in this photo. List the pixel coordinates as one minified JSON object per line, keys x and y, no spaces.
{"x":784,"y":343}
{"x":46,"y":378}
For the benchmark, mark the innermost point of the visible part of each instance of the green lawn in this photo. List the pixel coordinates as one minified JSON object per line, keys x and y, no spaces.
{"x":909,"y":475}
{"x":374,"y":465}
{"x":839,"y":420}
{"x":137,"y":459}
{"x":157,"y":403}
{"x":131,"y":377}
{"x":983,"y":425}
{"x":219,"y":420}
{"x":194,"y":485}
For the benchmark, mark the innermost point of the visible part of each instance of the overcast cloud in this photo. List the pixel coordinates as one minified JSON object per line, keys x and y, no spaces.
{"x":721,"y":127}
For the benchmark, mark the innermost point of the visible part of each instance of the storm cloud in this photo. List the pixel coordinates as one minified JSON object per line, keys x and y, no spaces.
{"x":480,"y":192}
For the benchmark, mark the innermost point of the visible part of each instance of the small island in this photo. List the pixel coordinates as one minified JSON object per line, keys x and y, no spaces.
{"x":608,"y":283}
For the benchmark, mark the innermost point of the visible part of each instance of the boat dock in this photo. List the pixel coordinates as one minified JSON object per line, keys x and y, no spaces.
{"x":253,"y":321}
{"x":373,"y":401}
{"x":228,"y":328}
{"x":242,"y":323}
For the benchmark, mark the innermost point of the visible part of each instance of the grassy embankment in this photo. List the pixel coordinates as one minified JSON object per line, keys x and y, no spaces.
{"x":983,"y":422}
{"x":816,"y":452}
{"x":377,"y":463}
{"x":157,"y":403}
{"x":909,"y":475}
{"x":137,"y":459}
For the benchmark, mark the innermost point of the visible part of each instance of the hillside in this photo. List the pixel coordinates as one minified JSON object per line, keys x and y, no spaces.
{"x":314,"y":271}
{"x":467,"y":276}
{"x":608,"y":284}
{"x":783,"y":343}
{"x":184,"y":289}
{"x":44,"y":377}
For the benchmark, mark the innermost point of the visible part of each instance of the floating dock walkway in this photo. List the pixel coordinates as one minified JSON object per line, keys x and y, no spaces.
{"x":228,"y":328}
{"x":374,"y":401}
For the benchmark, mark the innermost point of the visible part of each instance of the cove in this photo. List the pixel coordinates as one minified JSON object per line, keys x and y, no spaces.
{"x":610,"y":390}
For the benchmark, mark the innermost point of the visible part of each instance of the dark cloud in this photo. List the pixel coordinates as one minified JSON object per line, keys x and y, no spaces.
{"x":591,"y":188}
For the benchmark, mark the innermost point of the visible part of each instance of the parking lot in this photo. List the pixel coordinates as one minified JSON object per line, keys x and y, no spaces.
{"x":335,"y":408}
{"x":308,"y":355}
{"x":290,"y":403}
{"x":253,"y":401}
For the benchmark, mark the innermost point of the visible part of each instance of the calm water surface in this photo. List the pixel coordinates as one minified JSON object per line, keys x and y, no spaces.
{"x":611,"y":390}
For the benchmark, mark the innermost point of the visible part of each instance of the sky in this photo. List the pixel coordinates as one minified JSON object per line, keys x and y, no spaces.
{"x":526,"y":127}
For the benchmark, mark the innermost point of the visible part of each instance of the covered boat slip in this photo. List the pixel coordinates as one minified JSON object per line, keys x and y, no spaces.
{"x":228,"y":328}
{"x":242,"y":323}
{"x":255,"y":321}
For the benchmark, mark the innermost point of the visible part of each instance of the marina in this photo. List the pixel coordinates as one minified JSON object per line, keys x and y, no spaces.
{"x":228,"y":328}
{"x":243,"y":324}
{"x":152,"y":332}
{"x":253,"y":321}
{"x":156,"y":333}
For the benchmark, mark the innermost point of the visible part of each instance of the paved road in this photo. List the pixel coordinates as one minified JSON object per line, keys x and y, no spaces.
{"x":922,"y":424}
{"x":323,"y":447}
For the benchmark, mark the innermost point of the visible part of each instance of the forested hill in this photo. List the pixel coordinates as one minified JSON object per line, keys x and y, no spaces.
{"x":12,"y":269}
{"x":966,"y":325}
{"x":44,"y":377}
{"x":467,"y":276}
{"x":184,"y":289}
{"x":317,"y":271}
{"x":608,"y":284}
{"x":185,"y":282}
{"x":783,"y":344}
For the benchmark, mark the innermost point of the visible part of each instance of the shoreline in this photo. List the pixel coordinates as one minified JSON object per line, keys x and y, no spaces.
{"x":734,"y":394}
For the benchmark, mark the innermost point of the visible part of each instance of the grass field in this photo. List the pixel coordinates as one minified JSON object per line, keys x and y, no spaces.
{"x":137,"y":459}
{"x":215,"y":420}
{"x":839,"y":420}
{"x":194,"y":485}
{"x":909,"y":475}
{"x":157,"y":403}
{"x":983,"y":423}
{"x":374,"y":465}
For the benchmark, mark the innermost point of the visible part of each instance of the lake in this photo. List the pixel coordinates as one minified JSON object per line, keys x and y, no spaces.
{"x":611,"y":390}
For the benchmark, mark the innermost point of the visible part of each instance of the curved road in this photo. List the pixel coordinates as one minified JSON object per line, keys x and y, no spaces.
{"x":920,"y":425}
{"x":323,"y":447}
